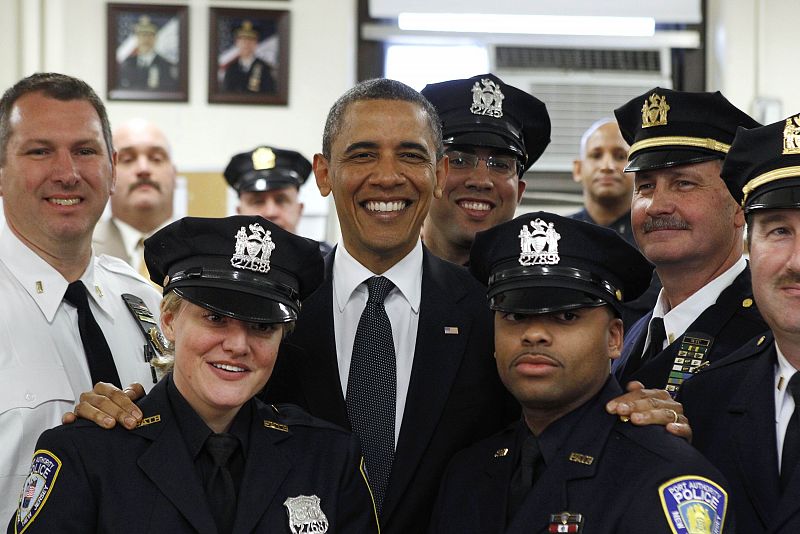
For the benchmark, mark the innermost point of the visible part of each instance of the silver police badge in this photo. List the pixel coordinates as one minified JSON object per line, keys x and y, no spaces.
{"x":487,"y":99}
{"x":539,"y":245}
{"x":253,"y":251}
{"x":306,"y":515}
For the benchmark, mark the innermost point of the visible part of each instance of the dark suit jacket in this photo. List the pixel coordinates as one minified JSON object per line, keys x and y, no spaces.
{"x":455,"y":396}
{"x":731,"y":407}
{"x":257,"y":79}
{"x":107,"y":239}
{"x":132,"y":76}
{"x":144,"y":480}
{"x":729,"y":323}
{"x":614,"y":483}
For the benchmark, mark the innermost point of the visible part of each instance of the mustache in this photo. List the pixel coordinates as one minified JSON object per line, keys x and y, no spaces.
{"x":787,"y":279}
{"x":664,"y":223}
{"x":142,"y":183}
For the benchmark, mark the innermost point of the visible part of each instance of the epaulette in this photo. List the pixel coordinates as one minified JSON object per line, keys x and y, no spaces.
{"x":291,"y":415}
{"x":155,"y":342}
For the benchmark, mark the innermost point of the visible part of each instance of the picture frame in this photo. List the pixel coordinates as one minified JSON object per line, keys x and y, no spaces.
{"x":248,"y":57}
{"x":147,"y":52}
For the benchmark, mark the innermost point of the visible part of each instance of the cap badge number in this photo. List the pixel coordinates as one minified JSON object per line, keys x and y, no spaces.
{"x":263,"y":158}
{"x":540,"y":246}
{"x":654,"y":113}
{"x":791,"y":135}
{"x":253,"y":251}
{"x":305,"y":514}
{"x":488,"y":99}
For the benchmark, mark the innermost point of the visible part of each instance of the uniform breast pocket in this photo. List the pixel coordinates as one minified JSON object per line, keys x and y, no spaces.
{"x":31,"y":400}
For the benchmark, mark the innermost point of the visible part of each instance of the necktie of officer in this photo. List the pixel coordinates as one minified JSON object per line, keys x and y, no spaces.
{"x":791,"y":442}
{"x":98,"y":355}
{"x":525,"y":475}
{"x":372,"y":388}
{"x":219,"y":487}
{"x":658,"y":335}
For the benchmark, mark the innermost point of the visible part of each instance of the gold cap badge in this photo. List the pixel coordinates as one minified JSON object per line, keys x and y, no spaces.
{"x":263,"y":158}
{"x":654,"y":111}
{"x":791,"y":135}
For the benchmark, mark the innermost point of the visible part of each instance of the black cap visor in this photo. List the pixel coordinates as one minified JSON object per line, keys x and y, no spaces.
{"x":784,"y":194}
{"x":539,"y":300}
{"x":238,"y":305}
{"x":669,"y":157}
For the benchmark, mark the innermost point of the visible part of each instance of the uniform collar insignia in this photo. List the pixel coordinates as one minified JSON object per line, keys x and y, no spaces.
{"x":539,"y":245}
{"x":487,"y":99}
{"x":253,"y":251}
{"x":791,"y":135}
{"x":654,"y":112}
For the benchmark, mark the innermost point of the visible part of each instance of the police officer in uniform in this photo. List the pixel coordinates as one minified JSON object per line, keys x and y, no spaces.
{"x":147,"y":69}
{"x":493,"y":133}
{"x":248,"y":73}
{"x":556,"y":286}
{"x":207,"y":456}
{"x":744,"y":408}
{"x":268,"y":180}
{"x":688,"y":225}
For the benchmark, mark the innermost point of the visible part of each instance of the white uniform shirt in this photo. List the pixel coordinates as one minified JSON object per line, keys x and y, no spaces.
{"x":43,"y":367}
{"x":402,"y":307}
{"x":678,"y":319}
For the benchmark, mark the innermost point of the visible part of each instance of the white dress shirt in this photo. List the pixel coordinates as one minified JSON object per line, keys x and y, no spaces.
{"x":678,"y":319}
{"x":784,"y":403}
{"x":43,"y":368}
{"x":402,"y":306}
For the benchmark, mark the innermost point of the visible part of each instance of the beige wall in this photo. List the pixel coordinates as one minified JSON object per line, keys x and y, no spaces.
{"x":69,"y":36}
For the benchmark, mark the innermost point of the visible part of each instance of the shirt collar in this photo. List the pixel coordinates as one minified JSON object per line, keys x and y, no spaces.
{"x":678,"y":319}
{"x":406,"y":275}
{"x":146,"y":59}
{"x":131,"y":237}
{"x":44,"y":284}
{"x":783,"y":372}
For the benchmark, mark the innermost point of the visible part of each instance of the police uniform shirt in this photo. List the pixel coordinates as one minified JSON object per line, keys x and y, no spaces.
{"x":43,"y":368}
{"x":402,"y":306}
{"x":784,"y":403}
{"x":680,"y":318}
{"x":622,"y":225}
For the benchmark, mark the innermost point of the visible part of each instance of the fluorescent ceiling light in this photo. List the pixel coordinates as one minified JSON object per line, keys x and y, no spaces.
{"x":529,"y":24}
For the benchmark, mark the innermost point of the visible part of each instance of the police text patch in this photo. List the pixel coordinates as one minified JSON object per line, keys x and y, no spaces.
{"x":693,"y":504}
{"x":40,"y":482}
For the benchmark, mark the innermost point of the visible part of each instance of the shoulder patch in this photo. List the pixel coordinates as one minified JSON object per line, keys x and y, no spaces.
{"x":693,"y":504}
{"x":40,"y":482}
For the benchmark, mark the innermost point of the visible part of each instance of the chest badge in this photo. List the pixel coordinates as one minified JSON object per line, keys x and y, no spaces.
{"x":306,"y":515}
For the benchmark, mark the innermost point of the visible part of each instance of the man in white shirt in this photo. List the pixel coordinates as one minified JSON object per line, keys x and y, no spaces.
{"x":56,"y":173}
{"x":689,"y":226}
{"x":143,"y":199}
{"x":744,"y":408}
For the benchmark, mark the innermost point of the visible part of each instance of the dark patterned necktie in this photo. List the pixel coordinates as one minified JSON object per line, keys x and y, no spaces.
{"x":98,"y":355}
{"x":525,"y":476}
{"x":372,"y":388}
{"x":791,"y":442}
{"x":220,"y":489}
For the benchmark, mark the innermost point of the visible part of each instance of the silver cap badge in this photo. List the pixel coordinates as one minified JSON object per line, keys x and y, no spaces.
{"x":539,"y":245}
{"x":487,"y":99}
{"x":305,"y":514}
{"x":253,"y":251}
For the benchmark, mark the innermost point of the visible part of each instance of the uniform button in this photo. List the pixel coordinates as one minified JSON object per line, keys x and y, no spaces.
{"x":30,"y":397}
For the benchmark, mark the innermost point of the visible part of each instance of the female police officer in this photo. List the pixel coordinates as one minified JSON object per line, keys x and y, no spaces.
{"x":208,"y":457}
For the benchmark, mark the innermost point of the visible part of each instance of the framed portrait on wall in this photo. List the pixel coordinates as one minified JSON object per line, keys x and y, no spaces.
{"x":148,"y":52}
{"x":248,"y":59}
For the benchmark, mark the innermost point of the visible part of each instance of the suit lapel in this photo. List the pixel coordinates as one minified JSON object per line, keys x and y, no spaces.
{"x":318,"y":367}
{"x":753,"y":412}
{"x":167,"y":463}
{"x":437,"y":358}
{"x":633,"y":347}
{"x":265,"y":469}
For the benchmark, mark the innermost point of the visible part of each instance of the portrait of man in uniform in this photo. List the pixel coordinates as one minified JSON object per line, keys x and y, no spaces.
{"x":248,"y":56}
{"x":147,"y":52}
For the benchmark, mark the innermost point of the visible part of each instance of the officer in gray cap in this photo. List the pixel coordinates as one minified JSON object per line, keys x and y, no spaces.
{"x":689,"y":226}
{"x":745,"y":409}
{"x":268,"y":180}
{"x":557,"y":286}
{"x":207,"y":456}
{"x":493,"y":133}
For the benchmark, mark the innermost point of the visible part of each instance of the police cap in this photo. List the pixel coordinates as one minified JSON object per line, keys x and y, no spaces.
{"x":665,"y":128}
{"x":243,"y":266}
{"x":762,"y":169}
{"x":542,"y":263}
{"x":266,"y":168}
{"x":484,"y":111}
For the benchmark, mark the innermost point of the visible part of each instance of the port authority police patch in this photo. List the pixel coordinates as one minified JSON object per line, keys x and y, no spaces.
{"x":306,"y":515}
{"x":40,"y":482}
{"x":694,"y":504}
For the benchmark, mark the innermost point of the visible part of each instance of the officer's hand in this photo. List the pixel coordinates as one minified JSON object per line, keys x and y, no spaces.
{"x":651,"y":407}
{"x":106,"y":405}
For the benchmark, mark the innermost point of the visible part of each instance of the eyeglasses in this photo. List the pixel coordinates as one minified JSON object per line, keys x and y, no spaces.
{"x":497,"y":165}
